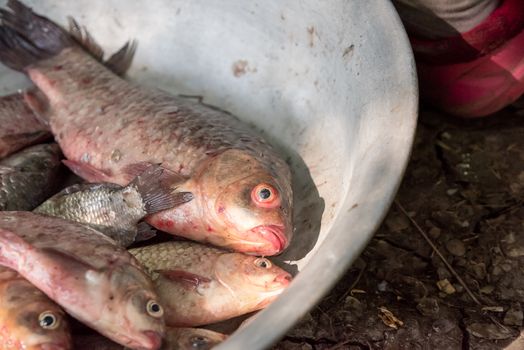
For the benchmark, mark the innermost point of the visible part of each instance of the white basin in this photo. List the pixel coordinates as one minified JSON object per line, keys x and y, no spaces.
{"x":331,"y":83}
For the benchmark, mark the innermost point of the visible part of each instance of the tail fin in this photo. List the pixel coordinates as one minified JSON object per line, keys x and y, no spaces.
{"x":26,"y":38}
{"x":155,"y":185}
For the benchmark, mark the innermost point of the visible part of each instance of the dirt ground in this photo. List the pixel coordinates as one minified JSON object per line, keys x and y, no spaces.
{"x":464,"y":187}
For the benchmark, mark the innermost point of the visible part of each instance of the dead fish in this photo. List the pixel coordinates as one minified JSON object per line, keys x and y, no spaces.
{"x":29,"y":320}
{"x":86,"y":273}
{"x":19,"y":127}
{"x":113,"y":209}
{"x":199,"y":285}
{"x":111,"y":129}
{"x":175,"y":339}
{"x":30,"y":176}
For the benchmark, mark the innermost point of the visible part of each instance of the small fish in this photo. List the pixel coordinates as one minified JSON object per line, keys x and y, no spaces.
{"x":30,"y":176}
{"x":29,"y":320}
{"x":19,"y":127}
{"x":86,"y":273}
{"x":110,"y":129}
{"x":199,"y":285}
{"x":175,"y":339}
{"x":113,"y":209}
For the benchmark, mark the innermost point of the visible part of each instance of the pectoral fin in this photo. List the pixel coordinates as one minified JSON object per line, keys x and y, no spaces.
{"x":190,"y":279}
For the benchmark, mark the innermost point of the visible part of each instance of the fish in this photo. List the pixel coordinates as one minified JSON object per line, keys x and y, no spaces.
{"x":86,"y":273}
{"x":175,"y":339}
{"x":29,"y":320}
{"x":19,"y":127}
{"x":200,"y":285}
{"x":110,"y":129}
{"x":29,"y":177}
{"x":113,"y":209}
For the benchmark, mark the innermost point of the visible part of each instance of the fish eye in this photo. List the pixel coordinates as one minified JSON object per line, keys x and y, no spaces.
{"x":48,"y":320}
{"x":263,"y":263}
{"x":154,"y":309}
{"x":265,"y":195}
{"x":198,"y":341}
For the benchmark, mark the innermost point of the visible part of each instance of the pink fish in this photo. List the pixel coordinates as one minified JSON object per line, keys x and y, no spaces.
{"x":86,"y":273}
{"x":199,"y":285}
{"x":110,"y":130}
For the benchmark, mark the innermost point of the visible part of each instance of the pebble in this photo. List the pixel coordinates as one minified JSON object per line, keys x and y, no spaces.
{"x":445,"y":286}
{"x":456,"y":247}
{"x":428,"y":307}
{"x":514,"y":316}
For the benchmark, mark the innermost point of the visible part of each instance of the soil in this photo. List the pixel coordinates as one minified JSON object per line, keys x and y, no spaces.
{"x":464,"y":187}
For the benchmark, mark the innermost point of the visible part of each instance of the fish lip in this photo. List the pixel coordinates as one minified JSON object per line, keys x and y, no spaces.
{"x":150,"y":340}
{"x":274,"y":234}
{"x":283,"y":279}
{"x":154,"y":340}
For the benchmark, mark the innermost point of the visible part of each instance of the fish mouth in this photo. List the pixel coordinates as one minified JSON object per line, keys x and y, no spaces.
{"x":150,"y":340}
{"x":274,"y":235}
{"x":154,"y":340}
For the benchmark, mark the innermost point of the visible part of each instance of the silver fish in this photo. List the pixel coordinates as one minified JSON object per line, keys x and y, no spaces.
{"x":113,"y":209}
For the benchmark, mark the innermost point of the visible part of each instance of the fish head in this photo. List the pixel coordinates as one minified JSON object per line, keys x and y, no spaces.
{"x":192,"y":338}
{"x":246,"y":203}
{"x":37,"y":322}
{"x":251,"y":276}
{"x":139,"y":321}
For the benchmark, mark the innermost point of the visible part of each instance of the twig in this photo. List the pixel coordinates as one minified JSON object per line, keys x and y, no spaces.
{"x":437,"y":251}
{"x":353,"y":285}
{"x":339,"y":345}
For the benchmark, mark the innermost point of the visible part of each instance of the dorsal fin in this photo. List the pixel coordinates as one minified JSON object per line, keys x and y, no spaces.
{"x":26,"y":38}
{"x":118,"y":63}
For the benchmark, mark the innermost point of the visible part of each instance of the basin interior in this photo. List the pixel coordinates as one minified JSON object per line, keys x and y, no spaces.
{"x":320,"y":80}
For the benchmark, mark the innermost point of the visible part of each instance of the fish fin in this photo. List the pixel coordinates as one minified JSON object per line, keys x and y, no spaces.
{"x":75,"y":266}
{"x":86,"y":171}
{"x":26,"y":38}
{"x":121,"y":60}
{"x":144,"y":232}
{"x":188,"y":278}
{"x":156,"y":186}
{"x":118,"y":63}
{"x":85,"y":40}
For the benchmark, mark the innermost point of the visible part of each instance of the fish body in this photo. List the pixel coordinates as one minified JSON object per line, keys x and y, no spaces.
{"x":19,"y":127}
{"x":108,"y":128}
{"x":86,"y":273}
{"x":29,"y":320}
{"x":175,"y":339}
{"x":30,"y":176}
{"x":199,"y":285}
{"x":113,"y":209}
